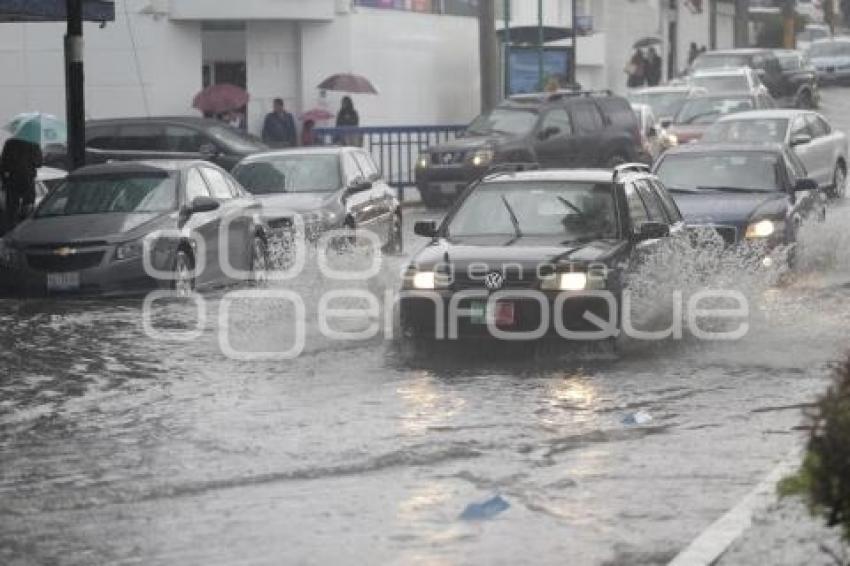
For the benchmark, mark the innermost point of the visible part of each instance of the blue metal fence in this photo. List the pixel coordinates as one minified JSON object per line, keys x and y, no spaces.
{"x":395,"y":149}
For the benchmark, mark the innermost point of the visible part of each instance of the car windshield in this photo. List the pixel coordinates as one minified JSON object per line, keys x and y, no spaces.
{"x":513,"y":121}
{"x":706,"y":110}
{"x":744,"y":171}
{"x":751,"y":130}
{"x":722,"y":83}
{"x":663,"y":104}
{"x":237,"y":140}
{"x":290,"y":174}
{"x":570,"y":210}
{"x":101,"y":194}
{"x":830,"y":49}
{"x":790,"y":62}
{"x":721,"y":61}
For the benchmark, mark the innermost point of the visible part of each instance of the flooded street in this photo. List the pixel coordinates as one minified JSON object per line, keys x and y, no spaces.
{"x":118,"y":448}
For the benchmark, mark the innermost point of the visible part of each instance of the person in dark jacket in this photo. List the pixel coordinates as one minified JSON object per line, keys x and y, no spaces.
{"x":653,"y":68}
{"x":279,"y":127}
{"x":636,"y":70}
{"x":347,"y":117}
{"x":19,"y":163}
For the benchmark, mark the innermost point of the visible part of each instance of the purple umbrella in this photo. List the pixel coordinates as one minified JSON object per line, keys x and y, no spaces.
{"x":220,"y":98}
{"x":347,"y":82}
{"x":316,"y":115}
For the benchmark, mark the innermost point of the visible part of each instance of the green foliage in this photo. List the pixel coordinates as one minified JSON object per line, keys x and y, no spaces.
{"x":825,"y":475}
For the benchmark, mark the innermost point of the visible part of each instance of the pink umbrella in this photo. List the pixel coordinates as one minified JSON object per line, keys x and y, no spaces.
{"x":347,"y":82}
{"x":220,"y":98}
{"x":316,"y":115}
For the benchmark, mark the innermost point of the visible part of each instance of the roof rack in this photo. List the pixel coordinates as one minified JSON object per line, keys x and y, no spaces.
{"x":619,"y":170}
{"x":508,"y":168}
{"x":557,"y":95}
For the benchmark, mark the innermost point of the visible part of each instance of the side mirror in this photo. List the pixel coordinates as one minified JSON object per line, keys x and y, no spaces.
{"x":549,"y":132}
{"x":199,"y":205}
{"x":653,"y":231}
{"x":805,"y":185}
{"x":425,"y":228}
{"x":359,"y":185}
{"x":652,"y":132}
{"x":801,"y":139}
{"x":208,"y":150}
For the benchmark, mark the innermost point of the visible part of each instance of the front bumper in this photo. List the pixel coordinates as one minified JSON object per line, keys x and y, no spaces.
{"x":431,"y":315}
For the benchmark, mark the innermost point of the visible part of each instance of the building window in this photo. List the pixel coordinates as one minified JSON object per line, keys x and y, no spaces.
{"x":452,"y":7}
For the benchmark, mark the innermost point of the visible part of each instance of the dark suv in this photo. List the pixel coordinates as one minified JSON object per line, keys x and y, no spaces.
{"x":125,"y":139}
{"x":564,"y":129}
{"x":787,"y":87}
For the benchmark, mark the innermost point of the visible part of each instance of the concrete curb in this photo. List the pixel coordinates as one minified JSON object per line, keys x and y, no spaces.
{"x":710,"y":545}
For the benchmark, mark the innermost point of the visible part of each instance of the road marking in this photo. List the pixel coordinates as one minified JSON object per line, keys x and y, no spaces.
{"x":719,"y":536}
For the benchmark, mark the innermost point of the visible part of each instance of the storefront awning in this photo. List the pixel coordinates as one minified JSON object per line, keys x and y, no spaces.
{"x":54,"y":10}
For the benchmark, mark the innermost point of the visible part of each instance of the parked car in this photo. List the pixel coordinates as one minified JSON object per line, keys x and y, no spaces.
{"x":126,"y":139}
{"x":821,"y":148}
{"x":562,"y":129}
{"x":801,"y":78}
{"x":654,"y":138}
{"x":665,"y":101}
{"x":330,"y":187}
{"x":47,"y":179}
{"x":702,"y":110}
{"x":88,"y":235}
{"x":763,"y":61}
{"x":811,"y":33}
{"x":752,"y":194}
{"x":831,"y":59}
{"x":555,"y":233}
{"x":742,"y":79}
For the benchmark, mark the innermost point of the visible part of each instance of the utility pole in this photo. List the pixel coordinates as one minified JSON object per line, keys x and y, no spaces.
{"x":742,"y":23}
{"x":506,"y":65}
{"x":75,"y":110}
{"x":573,"y":52}
{"x":540,"y":45}
{"x":789,"y":13}
{"x":712,"y":24}
{"x":488,"y":48}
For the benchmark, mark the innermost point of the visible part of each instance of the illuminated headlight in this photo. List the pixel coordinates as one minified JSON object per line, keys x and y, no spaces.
{"x":566,"y":282}
{"x":764,"y":229}
{"x":425,"y":280}
{"x":423,"y":161}
{"x":130,"y":250}
{"x":482,"y":157}
{"x":672,"y":140}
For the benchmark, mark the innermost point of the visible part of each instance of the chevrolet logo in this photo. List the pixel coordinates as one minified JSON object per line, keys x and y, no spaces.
{"x":64,"y":252}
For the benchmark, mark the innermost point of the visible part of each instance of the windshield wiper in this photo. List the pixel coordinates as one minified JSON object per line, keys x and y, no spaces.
{"x":570,"y":205}
{"x":514,"y":219}
{"x":731,"y":189}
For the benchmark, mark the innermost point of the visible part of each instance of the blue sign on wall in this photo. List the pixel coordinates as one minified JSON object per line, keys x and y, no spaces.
{"x":54,"y":10}
{"x":524,"y":68}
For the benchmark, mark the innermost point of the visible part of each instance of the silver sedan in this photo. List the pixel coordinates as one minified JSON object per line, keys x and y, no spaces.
{"x":821,"y":148}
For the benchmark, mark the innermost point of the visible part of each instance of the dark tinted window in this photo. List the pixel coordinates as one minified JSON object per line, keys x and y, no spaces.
{"x":101,"y":137}
{"x":141,"y":137}
{"x":670,"y":207}
{"x":557,"y":118}
{"x":350,"y":168}
{"x":817,"y":126}
{"x":637,"y":210}
{"x":219,"y":187}
{"x":619,"y":112}
{"x":195,"y":186}
{"x":651,"y":201}
{"x":586,"y":117}
{"x":183,"y":140}
{"x":366,"y":165}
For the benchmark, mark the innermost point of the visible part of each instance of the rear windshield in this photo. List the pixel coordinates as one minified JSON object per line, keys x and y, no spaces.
{"x":290,"y":174}
{"x":663,"y":104}
{"x":750,"y":130}
{"x":101,"y":194}
{"x":746,"y":171}
{"x":731,"y":83}
{"x":708,"y":110}
{"x":721,"y":61}
{"x":514,"y":121}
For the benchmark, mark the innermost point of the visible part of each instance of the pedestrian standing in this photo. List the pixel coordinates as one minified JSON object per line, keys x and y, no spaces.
{"x":653,"y":68}
{"x":19,"y":163}
{"x":636,"y":70}
{"x":279,"y":126}
{"x":347,"y":117}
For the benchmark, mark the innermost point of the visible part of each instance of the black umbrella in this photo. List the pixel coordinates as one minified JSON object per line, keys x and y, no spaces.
{"x":646,"y":42}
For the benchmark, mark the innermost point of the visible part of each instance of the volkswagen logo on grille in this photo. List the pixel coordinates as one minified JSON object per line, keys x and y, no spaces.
{"x":494,"y":281}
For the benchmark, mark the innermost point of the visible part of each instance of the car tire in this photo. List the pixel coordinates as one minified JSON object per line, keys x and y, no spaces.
{"x":395,"y":238}
{"x":259,"y":260}
{"x":839,"y":181}
{"x":183,"y":282}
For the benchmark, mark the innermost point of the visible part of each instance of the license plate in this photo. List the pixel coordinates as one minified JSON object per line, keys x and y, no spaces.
{"x":501,"y":314}
{"x":63,"y":281}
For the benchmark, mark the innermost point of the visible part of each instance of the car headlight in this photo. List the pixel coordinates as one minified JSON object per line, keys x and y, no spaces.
{"x":425,"y":280}
{"x":482,"y":157}
{"x":764,"y":229}
{"x":672,"y":140}
{"x":577,"y":281}
{"x":130,"y":250}
{"x":423,"y":161}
